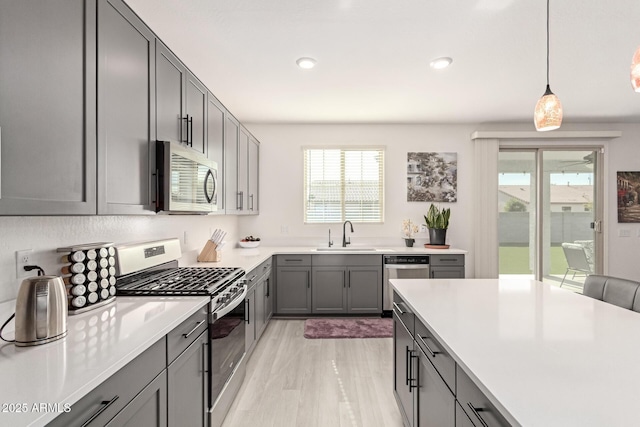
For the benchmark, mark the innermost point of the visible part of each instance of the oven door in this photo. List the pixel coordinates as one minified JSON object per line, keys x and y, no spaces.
{"x":226,"y":344}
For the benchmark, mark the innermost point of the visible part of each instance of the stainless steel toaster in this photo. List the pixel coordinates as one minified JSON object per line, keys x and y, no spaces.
{"x":41,"y":311}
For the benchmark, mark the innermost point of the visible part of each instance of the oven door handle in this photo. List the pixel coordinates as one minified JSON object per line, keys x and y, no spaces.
{"x":231,"y":306}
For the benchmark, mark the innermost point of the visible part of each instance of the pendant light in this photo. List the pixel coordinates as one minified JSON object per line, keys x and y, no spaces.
{"x":548,"y":113}
{"x":635,"y":71}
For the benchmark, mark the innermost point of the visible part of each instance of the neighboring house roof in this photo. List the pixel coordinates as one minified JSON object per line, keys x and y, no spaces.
{"x":559,"y":193}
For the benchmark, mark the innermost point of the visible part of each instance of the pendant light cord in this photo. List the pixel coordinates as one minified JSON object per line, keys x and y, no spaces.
{"x":547,"y":42}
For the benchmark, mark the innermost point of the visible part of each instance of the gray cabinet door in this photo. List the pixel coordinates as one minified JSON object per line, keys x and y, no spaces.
{"x":253,"y":171}
{"x":47,"y":107}
{"x":462,"y":420}
{"x":293,"y":294}
{"x":329,"y":289}
{"x":436,"y":403}
{"x":215,"y":143}
{"x":261,"y":320}
{"x":231,"y":142}
{"x":250,"y":320}
{"x":196,"y":110}
{"x":148,"y":409}
{"x":125,"y":110}
{"x":188,"y":386}
{"x":268,"y":299}
{"x":452,"y":272}
{"x":170,"y":93}
{"x":403,"y":347}
{"x":364,"y":290}
{"x":243,"y":174}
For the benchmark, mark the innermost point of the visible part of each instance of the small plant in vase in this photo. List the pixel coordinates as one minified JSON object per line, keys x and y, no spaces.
{"x":408,"y":230}
{"x":437,"y":222}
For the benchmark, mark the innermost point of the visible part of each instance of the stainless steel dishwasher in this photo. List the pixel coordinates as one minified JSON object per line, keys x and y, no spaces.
{"x":401,"y":267}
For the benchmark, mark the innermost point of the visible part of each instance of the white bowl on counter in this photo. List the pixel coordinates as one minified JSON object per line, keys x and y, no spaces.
{"x":254,"y":244}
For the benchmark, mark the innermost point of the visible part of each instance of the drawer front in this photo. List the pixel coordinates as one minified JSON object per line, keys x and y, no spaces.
{"x":443,"y":362}
{"x":475,"y":404}
{"x":110,"y":397}
{"x":439,"y":260}
{"x":346,"y":260}
{"x":183,"y":335}
{"x":293,"y":260}
{"x":404,"y":313}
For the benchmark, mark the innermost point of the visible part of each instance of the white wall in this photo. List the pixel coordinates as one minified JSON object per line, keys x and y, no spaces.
{"x":281,"y":182}
{"x":45,"y":234}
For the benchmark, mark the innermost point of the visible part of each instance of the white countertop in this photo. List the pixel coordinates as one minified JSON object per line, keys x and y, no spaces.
{"x":545,"y":356}
{"x":97,"y":345}
{"x":249,"y":259}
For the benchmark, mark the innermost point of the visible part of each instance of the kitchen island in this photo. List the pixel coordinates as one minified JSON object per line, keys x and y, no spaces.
{"x":543,"y":356}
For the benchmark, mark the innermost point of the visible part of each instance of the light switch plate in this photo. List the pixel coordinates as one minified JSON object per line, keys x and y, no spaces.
{"x":624,"y":232}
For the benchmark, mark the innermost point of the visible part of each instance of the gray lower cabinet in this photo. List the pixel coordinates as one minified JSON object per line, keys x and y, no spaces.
{"x":293,"y":294}
{"x":250,"y":320}
{"x":47,"y":107}
{"x":402,"y":387}
{"x":364,"y":289}
{"x":429,"y":387}
{"x":149,"y":408}
{"x":446,"y":266}
{"x":258,"y":296}
{"x":188,"y":385}
{"x":137,"y":378}
{"x":260,"y":313}
{"x":125,"y":109}
{"x":435,"y":404}
{"x":329,"y":290}
{"x":268,"y":298}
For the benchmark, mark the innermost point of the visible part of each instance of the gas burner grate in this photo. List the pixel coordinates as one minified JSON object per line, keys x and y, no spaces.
{"x":178,"y":281}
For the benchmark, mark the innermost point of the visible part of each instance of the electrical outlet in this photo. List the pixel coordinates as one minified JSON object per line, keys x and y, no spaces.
{"x":23,"y":258}
{"x":624,"y":232}
{"x":423,"y":228}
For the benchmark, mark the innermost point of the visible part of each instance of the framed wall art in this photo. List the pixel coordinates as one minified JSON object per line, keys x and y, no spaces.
{"x":628,"y":186}
{"x":432,"y":177}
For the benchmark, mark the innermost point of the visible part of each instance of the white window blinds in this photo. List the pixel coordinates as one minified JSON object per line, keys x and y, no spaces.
{"x":343,"y":184}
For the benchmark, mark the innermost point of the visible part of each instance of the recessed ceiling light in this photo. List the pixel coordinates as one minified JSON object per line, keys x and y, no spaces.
{"x":440,"y":63}
{"x":306,"y":63}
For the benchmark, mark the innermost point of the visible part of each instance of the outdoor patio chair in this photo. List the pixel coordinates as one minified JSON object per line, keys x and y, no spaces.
{"x":576,"y":260}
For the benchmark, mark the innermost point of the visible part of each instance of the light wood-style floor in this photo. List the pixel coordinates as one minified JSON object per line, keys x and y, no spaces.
{"x":294,"y":382}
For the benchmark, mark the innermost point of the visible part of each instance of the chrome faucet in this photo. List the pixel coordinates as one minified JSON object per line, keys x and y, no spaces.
{"x":346,"y":242}
{"x":330,"y":241}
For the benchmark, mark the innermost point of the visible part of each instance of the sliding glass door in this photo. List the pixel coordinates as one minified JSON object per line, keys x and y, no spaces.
{"x":549,"y":214}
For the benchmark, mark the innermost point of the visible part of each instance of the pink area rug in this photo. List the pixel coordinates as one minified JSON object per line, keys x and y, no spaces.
{"x":348,"y":328}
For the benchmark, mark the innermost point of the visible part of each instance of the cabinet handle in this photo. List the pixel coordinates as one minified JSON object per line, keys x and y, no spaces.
{"x":242,"y":200}
{"x":106,"y":404}
{"x":267,"y":282}
{"x":194,"y":328}
{"x":433,"y":353}
{"x":206,"y":194}
{"x":406,"y":367}
{"x":190,"y":121}
{"x":397,"y":307}
{"x":248,"y":311}
{"x":252,"y":278}
{"x":411,"y":373}
{"x":293,"y":259}
{"x":475,"y":412}
{"x":251,"y":200}
{"x":204,"y":357}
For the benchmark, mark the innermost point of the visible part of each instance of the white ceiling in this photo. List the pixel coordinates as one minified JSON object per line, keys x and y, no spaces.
{"x":373,"y":57}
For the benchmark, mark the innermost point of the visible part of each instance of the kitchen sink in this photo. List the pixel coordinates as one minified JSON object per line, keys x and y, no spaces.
{"x":348,"y":249}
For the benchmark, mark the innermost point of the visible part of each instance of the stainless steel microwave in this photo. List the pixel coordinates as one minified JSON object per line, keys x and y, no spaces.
{"x":186,"y":181}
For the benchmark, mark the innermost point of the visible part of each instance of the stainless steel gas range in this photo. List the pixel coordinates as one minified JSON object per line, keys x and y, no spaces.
{"x":151,"y":268}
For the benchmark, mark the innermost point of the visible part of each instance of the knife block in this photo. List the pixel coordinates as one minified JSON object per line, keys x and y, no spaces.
{"x":210,"y":253}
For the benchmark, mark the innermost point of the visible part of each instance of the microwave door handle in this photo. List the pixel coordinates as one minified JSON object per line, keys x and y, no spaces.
{"x":206,"y":179}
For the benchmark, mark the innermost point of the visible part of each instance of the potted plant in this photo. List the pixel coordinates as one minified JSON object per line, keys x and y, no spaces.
{"x":409,"y":229}
{"x":437,"y":221}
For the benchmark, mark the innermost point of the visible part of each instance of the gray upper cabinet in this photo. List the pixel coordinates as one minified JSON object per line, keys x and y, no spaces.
{"x":170,"y":79}
{"x":215,"y":143}
{"x":47,"y":107}
{"x":125,"y":110}
{"x":181,"y":102}
{"x":231,"y":144}
{"x":243,"y":174}
{"x":253,"y":170}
